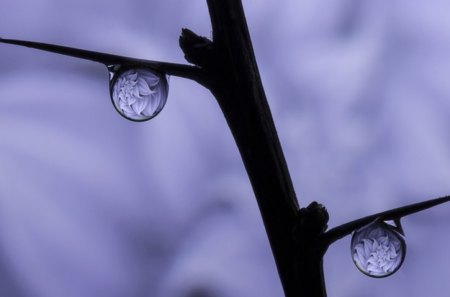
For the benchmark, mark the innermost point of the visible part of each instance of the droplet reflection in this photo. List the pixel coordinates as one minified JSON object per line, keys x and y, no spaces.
{"x":138,"y":94}
{"x":378,"y":249}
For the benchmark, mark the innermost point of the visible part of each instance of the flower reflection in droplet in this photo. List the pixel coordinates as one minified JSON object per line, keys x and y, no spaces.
{"x":378,"y":249}
{"x":139,"y":94}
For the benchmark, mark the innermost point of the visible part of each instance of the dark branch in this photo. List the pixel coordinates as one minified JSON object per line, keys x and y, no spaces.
{"x":186,"y":71}
{"x":393,"y":214}
{"x":234,"y":80}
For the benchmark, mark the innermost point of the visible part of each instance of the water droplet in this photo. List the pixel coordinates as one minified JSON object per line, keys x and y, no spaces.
{"x":138,"y":94}
{"x":378,"y":249}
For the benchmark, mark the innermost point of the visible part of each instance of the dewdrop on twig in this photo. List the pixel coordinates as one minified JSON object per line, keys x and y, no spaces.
{"x":138,"y":94}
{"x":378,"y":249}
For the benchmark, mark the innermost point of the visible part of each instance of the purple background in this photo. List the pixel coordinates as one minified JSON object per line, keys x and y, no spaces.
{"x":94,"y":205}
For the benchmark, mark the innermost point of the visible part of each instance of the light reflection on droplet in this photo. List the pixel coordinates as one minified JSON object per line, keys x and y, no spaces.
{"x":138,"y":94}
{"x":378,"y":249}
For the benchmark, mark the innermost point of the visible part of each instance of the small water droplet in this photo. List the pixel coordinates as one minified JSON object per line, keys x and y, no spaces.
{"x":378,"y":249}
{"x":138,"y":94}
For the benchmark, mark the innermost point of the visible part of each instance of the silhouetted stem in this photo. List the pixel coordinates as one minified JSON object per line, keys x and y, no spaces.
{"x":394,"y":214}
{"x":185,"y":71}
{"x":234,"y":80}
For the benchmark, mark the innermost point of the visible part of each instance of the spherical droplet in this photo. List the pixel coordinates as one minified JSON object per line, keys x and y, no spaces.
{"x":138,"y":94}
{"x":378,"y":249}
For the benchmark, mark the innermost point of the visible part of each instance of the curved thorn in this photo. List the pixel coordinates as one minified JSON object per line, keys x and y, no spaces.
{"x":394,"y":214}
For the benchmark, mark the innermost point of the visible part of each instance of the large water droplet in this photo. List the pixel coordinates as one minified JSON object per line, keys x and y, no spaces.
{"x":378,"y":249}
{"x":138,"y":94}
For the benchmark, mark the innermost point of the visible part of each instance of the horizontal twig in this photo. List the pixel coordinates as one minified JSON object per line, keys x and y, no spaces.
{"x":181,"y":70}
{"x":394,"y":214}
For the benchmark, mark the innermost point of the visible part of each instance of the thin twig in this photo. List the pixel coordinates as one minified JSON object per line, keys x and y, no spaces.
{"x":181,"y":70}
{"x":393,"y":214}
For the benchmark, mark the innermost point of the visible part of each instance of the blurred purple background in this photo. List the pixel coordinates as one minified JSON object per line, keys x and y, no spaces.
{"x":94,"y":205}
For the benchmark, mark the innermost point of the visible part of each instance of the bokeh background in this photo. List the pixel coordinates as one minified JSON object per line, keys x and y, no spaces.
{"x":94,"y":205}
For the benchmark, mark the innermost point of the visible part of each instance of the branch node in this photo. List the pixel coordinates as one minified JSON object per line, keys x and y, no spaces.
{"x":197,"y":50}
{"x":312,"y":222}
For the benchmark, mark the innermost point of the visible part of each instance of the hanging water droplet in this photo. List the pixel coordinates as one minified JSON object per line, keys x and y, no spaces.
{"x":378,"y":249}
{"x":138,"y":94}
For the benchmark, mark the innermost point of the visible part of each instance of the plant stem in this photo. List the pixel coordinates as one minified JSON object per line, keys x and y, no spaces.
{"x":185,"y":71}
{"x":389,"y":215}
{"x":234,"y":80}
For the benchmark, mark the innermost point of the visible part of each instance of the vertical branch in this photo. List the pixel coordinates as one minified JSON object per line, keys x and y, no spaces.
{"x":241,"y":96}
{"x":229,"y":63}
